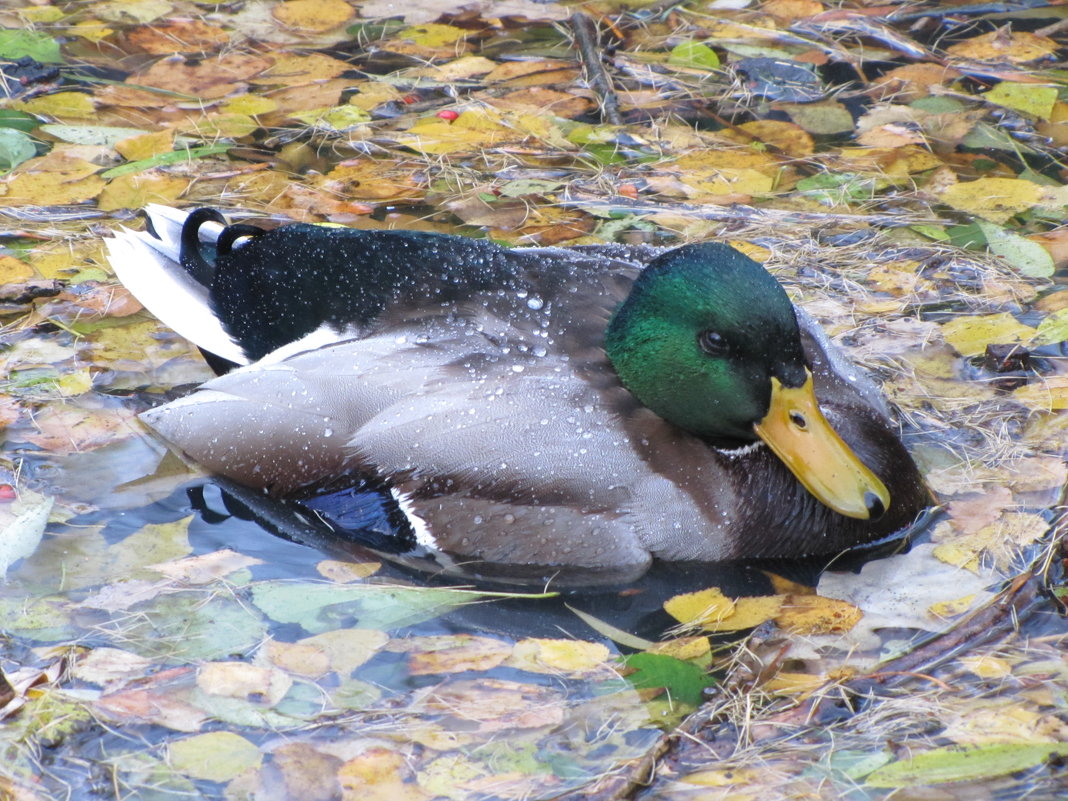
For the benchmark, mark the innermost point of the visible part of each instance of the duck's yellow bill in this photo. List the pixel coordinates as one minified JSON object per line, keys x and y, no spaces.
{"x":796,"y":430}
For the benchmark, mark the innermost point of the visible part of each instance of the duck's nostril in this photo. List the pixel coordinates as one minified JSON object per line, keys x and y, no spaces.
{"x":874,"y":504}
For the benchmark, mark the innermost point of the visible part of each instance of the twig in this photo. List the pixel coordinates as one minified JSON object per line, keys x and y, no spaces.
{"x":587,"y":39}
{"x":738,"y":211}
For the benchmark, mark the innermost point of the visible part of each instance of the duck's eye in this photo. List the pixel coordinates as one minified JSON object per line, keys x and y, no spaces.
{"x":712,"y":343}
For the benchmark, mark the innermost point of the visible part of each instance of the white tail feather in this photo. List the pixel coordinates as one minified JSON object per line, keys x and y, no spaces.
{"x":149,"y":268}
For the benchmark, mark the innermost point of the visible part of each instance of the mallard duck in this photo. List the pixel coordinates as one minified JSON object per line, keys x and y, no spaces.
{"x":591,"y":407}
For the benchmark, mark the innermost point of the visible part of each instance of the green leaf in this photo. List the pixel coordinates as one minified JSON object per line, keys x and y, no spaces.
{"x":967,"y":236}
{"x":16,"y":43}
{"x":530,"y":186}
{"x":684,"y":682}
{"x":694,"y":55}
{"x":174,"y":157}
{"x":1053,"y":329}
{"x":937,"y":105}
{"x":935,"y":232}
{"x":960,"y":765}
{"x":986,"y":136}
{"x":1027,"y":257}
{"x":19,"y":120}
{"x":15,"y":148}
{"x":106,"y":135}
{"x":191,"y":626}
{"x":324,"y":607}
{"x":217,"y":756}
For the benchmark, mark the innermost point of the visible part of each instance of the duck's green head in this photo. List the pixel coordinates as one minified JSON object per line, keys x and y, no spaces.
{"x":709,"y":341}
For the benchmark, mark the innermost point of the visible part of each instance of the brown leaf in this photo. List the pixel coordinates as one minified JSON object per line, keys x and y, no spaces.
{"x":242,"y":680}
{"x":158,"y":700}
{"x":206,"y":568}
{"x":177,"y":36}
{"x":305,"y":773}
{"x":207,"y":79}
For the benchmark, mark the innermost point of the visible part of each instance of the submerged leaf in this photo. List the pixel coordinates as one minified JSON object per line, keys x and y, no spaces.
{"x":217,"y":756}
{"x":324,"y":607}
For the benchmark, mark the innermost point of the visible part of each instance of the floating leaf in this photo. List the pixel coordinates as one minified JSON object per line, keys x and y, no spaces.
{"x":943,"y":765}
{"x":684,"y":682}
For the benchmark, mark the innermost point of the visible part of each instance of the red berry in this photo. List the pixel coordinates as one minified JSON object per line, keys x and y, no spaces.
{"x":409,"y":99}
{"x":7,"y":493}
{"x":448,"y":114}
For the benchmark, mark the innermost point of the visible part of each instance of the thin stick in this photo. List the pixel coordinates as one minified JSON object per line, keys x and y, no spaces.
{"x":588,"y":41}
{"x":738,"y":211}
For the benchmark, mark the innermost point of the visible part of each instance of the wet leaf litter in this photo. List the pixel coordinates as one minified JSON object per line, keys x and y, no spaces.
{"x":902,"y":173}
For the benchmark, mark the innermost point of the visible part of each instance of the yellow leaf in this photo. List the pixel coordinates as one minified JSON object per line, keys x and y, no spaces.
{"x":344,"y":572}
{"x":969,"y":336}
{"x":788,"y":683}
{"x":347,"y":649}
{"x":986,"y":666}
{"x":724,"y":777}
{"x":375,"y":93}
{"x":92,"y":30}
{"x":249,"y":105}
{"x":959,"y":554}
{"x":313,"y":15}
{"x":50,"y":188}
{"x":700,"y":607}
{"x":75,"y":382}
{"x":733,"y":182}
{"x":242,"y":680}
{"x":1014,"y":47}
{"x":791,"y":139}
{"x":13,"y":270}
{"x":814,"y":614}
{"x":62,"y":104}
{"x":138,"y":189}
{"x":298,"y":658}
{"x":41,"y":13}
{"x":451,"y":653}
{"x":683,"y":648}
{"x":211,"y":126}
{"x":292,"y":69}
{"x":956,"y":606}
{"x":994,"y":199}
{"x":559,"y":656}
{"x":1044,"y":394}
{"x":432,"y":35}
{"x":144,"y":146}
{"x":1033,"y":99}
